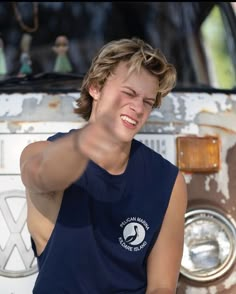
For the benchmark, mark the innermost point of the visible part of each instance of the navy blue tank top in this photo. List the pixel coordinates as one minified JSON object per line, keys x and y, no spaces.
{"x":106,"y":226}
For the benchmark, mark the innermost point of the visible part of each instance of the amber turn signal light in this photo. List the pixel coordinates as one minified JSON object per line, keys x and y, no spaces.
{"x":198,"y":154}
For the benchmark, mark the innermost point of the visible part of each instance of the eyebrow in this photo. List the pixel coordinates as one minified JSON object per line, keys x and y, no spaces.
{"x":135,"y":93}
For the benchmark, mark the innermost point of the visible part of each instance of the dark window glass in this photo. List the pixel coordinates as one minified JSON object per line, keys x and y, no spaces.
{"x":176,"y":28}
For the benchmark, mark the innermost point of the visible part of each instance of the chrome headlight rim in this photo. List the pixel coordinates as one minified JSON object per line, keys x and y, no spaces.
{"x":228,"y":226}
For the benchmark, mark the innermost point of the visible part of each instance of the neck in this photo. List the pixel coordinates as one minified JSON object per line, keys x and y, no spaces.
{"x":117,"y":160}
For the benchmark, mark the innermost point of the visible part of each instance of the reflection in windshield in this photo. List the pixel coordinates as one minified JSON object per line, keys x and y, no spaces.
{"x":172,"y":27}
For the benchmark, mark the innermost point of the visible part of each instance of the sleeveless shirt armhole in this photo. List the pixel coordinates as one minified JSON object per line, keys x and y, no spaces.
{"x":33,"y":246}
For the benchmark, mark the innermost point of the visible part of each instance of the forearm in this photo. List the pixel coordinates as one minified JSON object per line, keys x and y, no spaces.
{"x":161,"y":291}
{"x":56,"y":167}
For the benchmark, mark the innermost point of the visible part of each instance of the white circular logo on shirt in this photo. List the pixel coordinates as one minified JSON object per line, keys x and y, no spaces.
{"x":134,"y":233}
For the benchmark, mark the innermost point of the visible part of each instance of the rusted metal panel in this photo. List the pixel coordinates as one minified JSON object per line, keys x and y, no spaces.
{"x":201,"y":114}
{"x":38,"y":107}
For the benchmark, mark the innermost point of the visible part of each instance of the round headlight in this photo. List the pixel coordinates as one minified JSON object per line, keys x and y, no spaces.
{"x":209,"y":245}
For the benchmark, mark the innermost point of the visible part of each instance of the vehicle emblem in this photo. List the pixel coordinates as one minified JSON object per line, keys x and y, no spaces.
{"x":16,"y":255}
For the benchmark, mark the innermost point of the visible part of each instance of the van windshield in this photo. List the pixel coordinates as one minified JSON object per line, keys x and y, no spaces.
{"x":198,"y":37}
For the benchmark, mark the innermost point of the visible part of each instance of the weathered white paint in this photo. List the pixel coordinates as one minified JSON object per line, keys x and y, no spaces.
{"x":169,"y":128}
{"x":232,"y":97}
{"x":207,"y":182}
{"x":188,"y":178}
{"x":213,"y":290}
{"x":157,"y":113}
{"x":210,"y":114}
{"x":38,"y":107}
{"x":175,"y":102}
{"x":230,"y":281}
{"x":191,"y":129}
{"x":190,"y":105}
{"x":12,"y":104}
{"x":192,"y":290}
{"x":38,"y":127}
{"x":209,"y":290}
{"x":23,"y":285}
{"x":199,"y":102}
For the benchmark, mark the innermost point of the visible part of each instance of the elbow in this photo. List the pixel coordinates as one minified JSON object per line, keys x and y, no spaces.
{"x":32,"y":174}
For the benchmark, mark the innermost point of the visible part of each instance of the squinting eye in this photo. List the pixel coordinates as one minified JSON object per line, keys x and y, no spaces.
{"x":128,"y":94}
{"x":149,"y":103}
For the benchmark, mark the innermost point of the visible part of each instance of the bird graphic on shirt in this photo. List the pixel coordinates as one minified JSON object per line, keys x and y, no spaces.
{"x":132,"y":237}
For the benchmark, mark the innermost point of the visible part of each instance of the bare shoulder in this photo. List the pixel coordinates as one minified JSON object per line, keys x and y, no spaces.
{"x":179,"y":192}
{"x":178,"y":200}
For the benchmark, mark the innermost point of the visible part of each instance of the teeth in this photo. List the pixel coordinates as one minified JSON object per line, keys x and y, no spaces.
{"x":128,"y":119}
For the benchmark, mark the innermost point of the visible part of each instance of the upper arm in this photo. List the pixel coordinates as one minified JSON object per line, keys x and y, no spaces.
{"x":43,"y":202}
{"x":42,"y":208}
{"x":164,"y":261}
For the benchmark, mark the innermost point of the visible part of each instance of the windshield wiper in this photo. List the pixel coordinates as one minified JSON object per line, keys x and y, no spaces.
{"x":42,"y":82}
{"x":199,"y":88}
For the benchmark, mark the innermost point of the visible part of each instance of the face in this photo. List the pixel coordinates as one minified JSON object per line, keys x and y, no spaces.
{"x":61,"y":45}
{"x":126,"y":101}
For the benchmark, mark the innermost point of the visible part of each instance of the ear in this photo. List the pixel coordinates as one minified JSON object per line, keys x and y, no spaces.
{"x":94,"y":92}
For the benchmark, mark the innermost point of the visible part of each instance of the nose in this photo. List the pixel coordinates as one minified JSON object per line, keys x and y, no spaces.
{"x":137,"y":106}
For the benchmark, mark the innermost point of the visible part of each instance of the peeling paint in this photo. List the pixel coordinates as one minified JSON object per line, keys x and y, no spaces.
{"x":38,"y":127}
{"x":207,"y":182}
{"x":230,"y":281}
{"x":38,"y":107}
{"x":233,"y":97}
{"x":213,"y":290}
{"x":192,"y":129}
{"x":190,"y":105}
{"x":222,"y":180}
{"x":188,"y":178}
{"x":210,"y":290}
{"x":206,"y":114}
{"x":197,"y":103}
{"x":223,"y":201}
{"x":191,"y":290}
{"x":168,"y":128}
{"x":12,"y":105}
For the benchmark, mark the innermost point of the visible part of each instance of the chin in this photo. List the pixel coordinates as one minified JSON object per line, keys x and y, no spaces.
{"x":125,"y":135}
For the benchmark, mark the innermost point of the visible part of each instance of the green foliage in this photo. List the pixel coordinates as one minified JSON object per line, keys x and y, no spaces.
{"x":215,"y":39}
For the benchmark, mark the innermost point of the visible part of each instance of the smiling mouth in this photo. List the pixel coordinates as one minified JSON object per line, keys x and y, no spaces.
{"x":129,"y":120}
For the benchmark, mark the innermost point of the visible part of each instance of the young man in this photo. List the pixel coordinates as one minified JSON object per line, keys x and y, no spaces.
{"x":105,"y":212}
